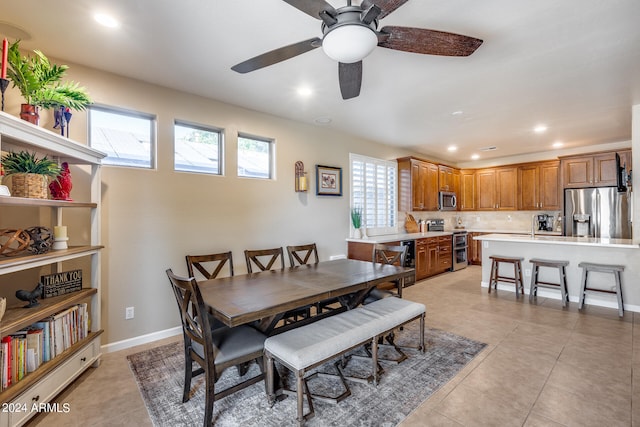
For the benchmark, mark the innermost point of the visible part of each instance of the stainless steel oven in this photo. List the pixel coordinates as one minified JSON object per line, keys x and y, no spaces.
{"x":460,"y":250}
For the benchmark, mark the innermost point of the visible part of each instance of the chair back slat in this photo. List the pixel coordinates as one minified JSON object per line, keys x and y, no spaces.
{"x":193,"y":314}
{"x":209,"y":265}
{"x":301,"y":254}
{"x":264,"y":259}
{"x":389,"y":254}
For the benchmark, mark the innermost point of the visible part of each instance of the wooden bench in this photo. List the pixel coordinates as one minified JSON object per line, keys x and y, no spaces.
{"x":311,"y":345}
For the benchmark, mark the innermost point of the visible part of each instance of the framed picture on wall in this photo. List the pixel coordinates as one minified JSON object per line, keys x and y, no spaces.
{"x":328,"y":181}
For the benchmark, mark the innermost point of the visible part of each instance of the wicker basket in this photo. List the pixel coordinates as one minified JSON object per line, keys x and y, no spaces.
{"x":30,"y":185}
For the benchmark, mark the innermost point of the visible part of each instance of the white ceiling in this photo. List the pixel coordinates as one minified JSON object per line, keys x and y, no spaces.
{"x":573,"y":65}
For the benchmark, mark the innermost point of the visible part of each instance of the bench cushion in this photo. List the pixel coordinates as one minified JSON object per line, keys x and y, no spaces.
{"x":391,"y":312}
{"x":322,"y":340}
{"x":316,"y":342}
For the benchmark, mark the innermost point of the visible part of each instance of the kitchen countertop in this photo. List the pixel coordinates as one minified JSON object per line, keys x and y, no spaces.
{"x":560,"y":240}
{"x":386,"y":238}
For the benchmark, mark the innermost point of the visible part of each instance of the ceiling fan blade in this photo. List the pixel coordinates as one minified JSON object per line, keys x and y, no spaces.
{"x":313,"y":7}
{"x":350,"y":76}
{"x":277,"y":55}
{"x":430,"y":42}
{"x":387,"y":6}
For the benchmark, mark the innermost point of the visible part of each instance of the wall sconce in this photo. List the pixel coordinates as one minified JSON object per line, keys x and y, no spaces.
{"x":301,"y":178}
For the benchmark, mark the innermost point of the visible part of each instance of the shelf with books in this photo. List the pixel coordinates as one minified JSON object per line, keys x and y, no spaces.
{"x":81,"y":349}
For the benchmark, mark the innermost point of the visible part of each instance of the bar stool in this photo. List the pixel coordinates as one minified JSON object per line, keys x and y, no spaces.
{"x":517,"y":272}
{"x":536,"y":283}
{"x":602,"y":268}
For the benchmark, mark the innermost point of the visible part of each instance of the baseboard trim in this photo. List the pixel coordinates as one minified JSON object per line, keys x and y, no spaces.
{"x":142,"y":339}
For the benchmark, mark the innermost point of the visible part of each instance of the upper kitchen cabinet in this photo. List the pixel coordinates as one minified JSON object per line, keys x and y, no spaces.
{"x":592,"y":170}
{"x":539,"y":186}
{"x":448,"y":179}
{"x":496,"y":188}
{"x":467,"y":194}
{"x":417,"y":185}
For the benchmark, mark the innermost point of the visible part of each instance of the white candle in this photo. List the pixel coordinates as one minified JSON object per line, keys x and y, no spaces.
{"x":60,"y":232}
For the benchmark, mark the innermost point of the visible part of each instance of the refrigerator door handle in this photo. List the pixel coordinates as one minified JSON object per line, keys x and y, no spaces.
{"x":597,"y":221}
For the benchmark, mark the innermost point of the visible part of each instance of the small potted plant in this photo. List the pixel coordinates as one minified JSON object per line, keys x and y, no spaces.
{"x":39,"y":82}
{"x":29,"y":175}
{"x":356,"y":221}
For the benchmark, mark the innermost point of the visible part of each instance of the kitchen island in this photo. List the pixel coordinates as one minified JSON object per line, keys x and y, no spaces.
{"x":575,"y":250}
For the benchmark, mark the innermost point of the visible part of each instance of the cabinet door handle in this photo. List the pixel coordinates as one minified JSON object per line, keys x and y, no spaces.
{"x":84,"y":359}
{"x":35,"y":398}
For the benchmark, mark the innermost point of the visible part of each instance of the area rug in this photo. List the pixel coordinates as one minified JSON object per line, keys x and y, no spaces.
{"x":159,"y":373}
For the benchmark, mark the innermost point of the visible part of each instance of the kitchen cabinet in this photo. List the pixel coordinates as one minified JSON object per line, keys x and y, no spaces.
{"x":447,"y":178}
{"x":422,"y":259}
{"x":539,"y":186}
{"x":417,"y":185}
{"x":592,"y":170}
{"x":467,"y":194}
{"x":496,"y":188}
{"x":363,"y":251}
{"x":475,"y":248}
{"x":43,"y":384}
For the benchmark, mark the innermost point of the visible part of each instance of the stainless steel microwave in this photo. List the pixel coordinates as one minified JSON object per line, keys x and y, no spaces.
{"x":447,"y":201}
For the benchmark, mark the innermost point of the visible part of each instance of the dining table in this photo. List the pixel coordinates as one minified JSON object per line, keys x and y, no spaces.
{"x":263,"y":298}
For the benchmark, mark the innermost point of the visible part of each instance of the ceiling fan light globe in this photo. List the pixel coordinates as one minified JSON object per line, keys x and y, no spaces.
{"x":349,"y":43}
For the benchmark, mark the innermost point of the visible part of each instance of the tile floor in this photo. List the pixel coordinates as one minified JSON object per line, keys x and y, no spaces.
{"x":544,"y":365}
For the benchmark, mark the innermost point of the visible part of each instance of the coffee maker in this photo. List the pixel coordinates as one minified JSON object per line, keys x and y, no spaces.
{"x":545,"y":222}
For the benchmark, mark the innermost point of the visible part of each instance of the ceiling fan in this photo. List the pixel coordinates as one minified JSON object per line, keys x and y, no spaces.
{"x":351,"y":32}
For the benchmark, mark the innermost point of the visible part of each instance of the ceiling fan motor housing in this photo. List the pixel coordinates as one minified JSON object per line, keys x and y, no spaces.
{"x":346,"y":38}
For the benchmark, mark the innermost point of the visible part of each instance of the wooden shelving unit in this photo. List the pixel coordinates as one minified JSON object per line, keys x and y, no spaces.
{"x":53,"y":376}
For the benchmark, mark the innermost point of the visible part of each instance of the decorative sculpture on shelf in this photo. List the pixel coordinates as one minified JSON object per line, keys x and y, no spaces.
{"x":61,"y":187}
{"x":13,"y":241}
{"x":41,"y":239}
{"x":30,"y":296}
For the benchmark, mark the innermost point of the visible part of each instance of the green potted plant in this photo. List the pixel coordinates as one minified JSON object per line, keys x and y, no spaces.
{"x":356,"y":221}
{"x":29,"y":175}
{"x":39,"y":82}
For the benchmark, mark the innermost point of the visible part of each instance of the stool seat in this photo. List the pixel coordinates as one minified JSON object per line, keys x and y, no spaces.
{"x":496,"y":277}
{"x":614,"y":269}
{"x":537,"y":283}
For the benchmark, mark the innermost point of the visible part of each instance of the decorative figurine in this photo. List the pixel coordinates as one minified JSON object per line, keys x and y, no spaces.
{"x":61,"y":187}
{"x":41,"y":239}
{"x":62,"y":115}
{"x":30,"y":297}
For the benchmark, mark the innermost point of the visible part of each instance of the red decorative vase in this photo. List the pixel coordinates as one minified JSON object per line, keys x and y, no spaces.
{"x":29,"y":113}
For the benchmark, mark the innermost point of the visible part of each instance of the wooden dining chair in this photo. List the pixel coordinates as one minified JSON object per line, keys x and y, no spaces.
{"x":264,"y":259}
{"x":302,"y":254}
{"x":213,"y":351}
{"x":210,"y":265}
{"x":389,"y":255}
{"x":392,"y":255}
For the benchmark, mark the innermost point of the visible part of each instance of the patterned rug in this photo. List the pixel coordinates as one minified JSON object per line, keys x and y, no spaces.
{"x":159,"y":373}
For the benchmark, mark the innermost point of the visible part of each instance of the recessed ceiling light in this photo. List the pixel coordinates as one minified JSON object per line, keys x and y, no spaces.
{"x":475,"y":157}
{"x":540,"y":129}
{"x":106,"y":20}
{"x":304,"y":91}
{"x":452,"y":148}
{"x":456,"y":113}
{"x":558,"y":144}
{"x":324,"y":120}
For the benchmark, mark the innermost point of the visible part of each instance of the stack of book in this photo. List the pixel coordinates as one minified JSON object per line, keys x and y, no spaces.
{"x":24,"y":351}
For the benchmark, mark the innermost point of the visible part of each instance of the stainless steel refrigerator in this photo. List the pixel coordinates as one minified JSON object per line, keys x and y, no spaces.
{"x":597,"y":212}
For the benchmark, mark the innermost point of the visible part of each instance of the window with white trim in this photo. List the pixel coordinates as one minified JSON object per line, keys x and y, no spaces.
{"x":127,"y":137}
{"x":374,"y":187}
{"x":197,"y":148}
